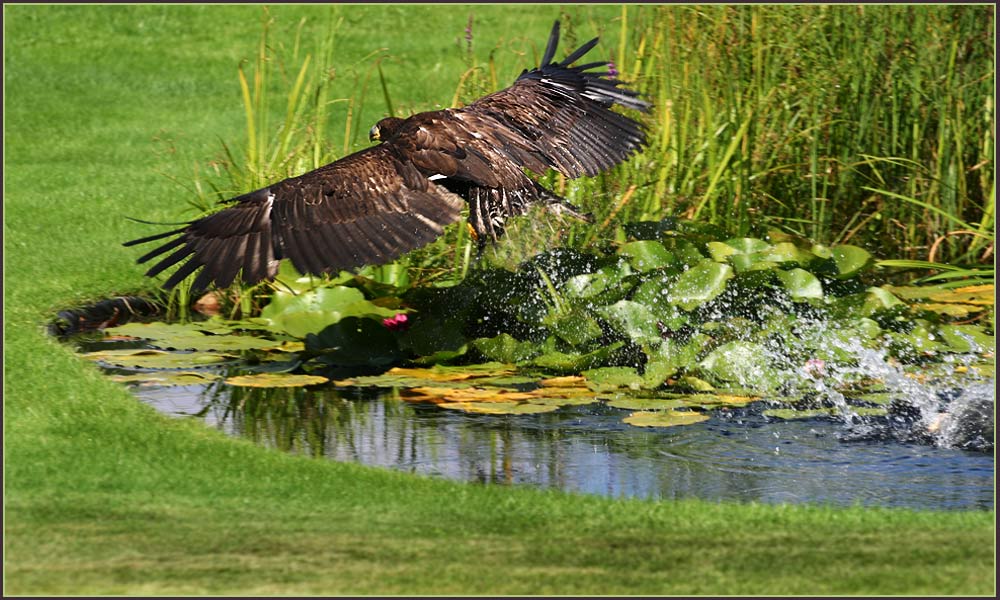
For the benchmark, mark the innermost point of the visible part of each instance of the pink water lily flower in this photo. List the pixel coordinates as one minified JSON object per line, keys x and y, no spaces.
{"x":399,"y":322}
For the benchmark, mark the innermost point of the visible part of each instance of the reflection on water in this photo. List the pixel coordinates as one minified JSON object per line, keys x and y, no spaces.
{"x":736,"y":455}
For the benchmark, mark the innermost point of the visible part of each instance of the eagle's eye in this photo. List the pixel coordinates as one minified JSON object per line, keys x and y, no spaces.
{"x":373,"y":134}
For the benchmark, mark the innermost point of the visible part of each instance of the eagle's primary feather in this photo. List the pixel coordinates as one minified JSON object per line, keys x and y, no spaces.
{"x":377,"y":204}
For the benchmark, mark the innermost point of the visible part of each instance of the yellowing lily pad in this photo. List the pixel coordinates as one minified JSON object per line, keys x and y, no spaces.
{"x":631,"y":403}
{"x":980,"y":294}
{"x":485,"y":374}
{"x":697,"y":384}
{"x":499,"y":408}
{"x":442,"y":373}
{"x":449,"y":394}
{"x":274,"y":380}
{"x":564,"y":401}
{"x":727,"y":399}
{"x":567,"y":392}
{"x":664,"y":418}
{"x":951,"y":310}
{"x":567,"y":381}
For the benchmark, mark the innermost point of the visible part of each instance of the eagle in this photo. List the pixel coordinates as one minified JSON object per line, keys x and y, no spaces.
{"x":375,"y":205}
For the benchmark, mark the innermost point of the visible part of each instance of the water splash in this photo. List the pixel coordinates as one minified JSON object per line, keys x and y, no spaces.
{"x":945,"y":404}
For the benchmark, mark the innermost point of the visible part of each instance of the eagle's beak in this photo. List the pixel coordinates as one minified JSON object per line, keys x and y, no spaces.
{"x":373,"y":135}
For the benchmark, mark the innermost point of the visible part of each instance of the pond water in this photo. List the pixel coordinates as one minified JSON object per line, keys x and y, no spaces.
{"x":939,"y":455}
{"x":736,"y":455}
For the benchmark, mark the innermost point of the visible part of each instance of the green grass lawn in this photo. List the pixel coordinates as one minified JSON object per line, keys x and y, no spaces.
{"x":107,"y":111}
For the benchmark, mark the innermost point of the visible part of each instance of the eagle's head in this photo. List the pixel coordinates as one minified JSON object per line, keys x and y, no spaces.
{"x":384,"y":129}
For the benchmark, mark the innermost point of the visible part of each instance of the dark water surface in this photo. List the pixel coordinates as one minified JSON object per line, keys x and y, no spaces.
{"x":736,"y":455}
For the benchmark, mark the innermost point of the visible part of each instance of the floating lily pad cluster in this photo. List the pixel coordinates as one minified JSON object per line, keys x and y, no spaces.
{"x":170,"y":354}
{"x":494,"y":388}
{"x":686,"y":311}
{"x":671,"y":324}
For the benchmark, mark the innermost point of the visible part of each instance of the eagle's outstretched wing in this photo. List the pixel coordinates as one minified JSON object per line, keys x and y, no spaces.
{"x":556,"y":116}
{"x":366,"y":208}
{"x":561,"y":113}
{"x":374,"y":205}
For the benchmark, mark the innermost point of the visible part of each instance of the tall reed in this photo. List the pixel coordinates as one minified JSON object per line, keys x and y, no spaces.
{"x":865,"y":124}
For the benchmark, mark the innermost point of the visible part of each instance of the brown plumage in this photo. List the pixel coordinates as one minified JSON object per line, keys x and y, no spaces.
{"x":374,"y":205}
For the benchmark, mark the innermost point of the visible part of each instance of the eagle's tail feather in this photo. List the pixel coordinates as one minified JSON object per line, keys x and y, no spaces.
{"x":599,"y":86}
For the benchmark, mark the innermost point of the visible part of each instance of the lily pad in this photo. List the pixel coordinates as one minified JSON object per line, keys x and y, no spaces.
{"x":499,"y":408}
{"x":439,"y":394}
{"x":744,"y":363}
{"x":646,"y":255}
{"x":980,"y":295}
{"x":581,"y":400}
{"x":315,"y":310}
{"x":645,"y":404}
{"x":849,"y":260}
{"x":275,"y":380}
{"x":664,"y":418}
{"x":495,"y":374}
{"x":157,"y":359}
{"x":951,"y":310}
{"x":564,"y":381}
{"x":879,"y":298}
{"x":696,"y":383}
{"x":800,"y":284}
{"x":967,"y":338}
{"x":708,"y":400}
{"x":657,"y":371}
{"x":192,"y":336}
{"x":158,"y":330}
{"x":632,"y":320}
{"x":505,"y":348}
{"x":167,"y":378}
{"x":789,"y":414}
{"x":787,"y":252}
{"x":720,"y":251}
{"x":576,"y":327}
{"x":600,"y":287}
{"x":700,"y":284}
{"x":612,"y":378}
{"x":574,"y":363}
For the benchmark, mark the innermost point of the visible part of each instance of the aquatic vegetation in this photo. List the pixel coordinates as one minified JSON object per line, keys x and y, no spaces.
{"x":670,"y":327}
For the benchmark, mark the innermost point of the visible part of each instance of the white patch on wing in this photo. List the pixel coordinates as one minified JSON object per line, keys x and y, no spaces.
{"x":436,"y":177}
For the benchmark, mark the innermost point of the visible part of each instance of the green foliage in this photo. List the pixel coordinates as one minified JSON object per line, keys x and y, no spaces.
{"x":741,"y":318}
